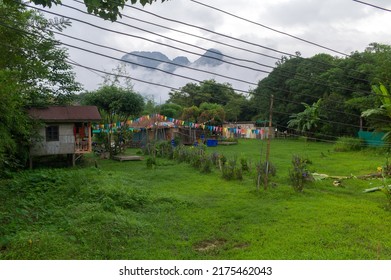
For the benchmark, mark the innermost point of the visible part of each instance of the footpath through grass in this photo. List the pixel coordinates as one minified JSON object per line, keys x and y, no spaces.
{"x":123,"y":210}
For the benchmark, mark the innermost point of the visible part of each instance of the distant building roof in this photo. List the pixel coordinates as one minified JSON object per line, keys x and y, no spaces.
{"x":66,"y":113}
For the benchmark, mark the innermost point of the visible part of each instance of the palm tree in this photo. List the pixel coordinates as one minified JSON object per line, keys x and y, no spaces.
{"x":307,"y":120}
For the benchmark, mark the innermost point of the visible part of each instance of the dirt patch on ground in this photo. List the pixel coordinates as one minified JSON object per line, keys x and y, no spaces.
{"x":241,"y":245}
{"x":209,"y":245}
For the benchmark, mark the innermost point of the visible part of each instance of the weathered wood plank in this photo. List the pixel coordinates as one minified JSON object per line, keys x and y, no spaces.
{"x":128,"y":158}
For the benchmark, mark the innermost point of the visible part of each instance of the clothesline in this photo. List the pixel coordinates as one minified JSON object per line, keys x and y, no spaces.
{"x":158,"y":120}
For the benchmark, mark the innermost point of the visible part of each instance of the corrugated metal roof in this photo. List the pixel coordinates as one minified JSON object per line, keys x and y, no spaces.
{"x":66,"y":113}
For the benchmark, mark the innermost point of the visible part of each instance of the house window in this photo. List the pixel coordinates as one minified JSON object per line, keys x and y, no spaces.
{"x":52,"y":133}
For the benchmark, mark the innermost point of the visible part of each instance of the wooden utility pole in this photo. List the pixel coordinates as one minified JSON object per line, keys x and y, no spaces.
{"x":268,"y":141}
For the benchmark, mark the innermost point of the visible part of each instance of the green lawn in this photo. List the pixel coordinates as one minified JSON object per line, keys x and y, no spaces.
{"x":123,"y":210}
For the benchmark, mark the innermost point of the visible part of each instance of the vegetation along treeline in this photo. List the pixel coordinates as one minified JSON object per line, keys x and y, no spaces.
{"x":114,"y":211}
{"x":322,"y":95}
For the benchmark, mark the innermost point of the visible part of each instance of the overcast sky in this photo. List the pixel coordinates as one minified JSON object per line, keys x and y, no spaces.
{"x":342,"y":25}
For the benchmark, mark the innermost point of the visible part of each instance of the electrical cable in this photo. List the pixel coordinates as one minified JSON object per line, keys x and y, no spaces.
{"x":235,"y":58}
{"x":188,"y":33}
{"x":263,"y":71}
{"x":121,"y":60}
{"x":154,"y":59}
{"x":121,"y":76}
{"x":112,"y":57}
{"x":240,"y":40}
{"x":371,"y":5}
{"x":270,"y":28}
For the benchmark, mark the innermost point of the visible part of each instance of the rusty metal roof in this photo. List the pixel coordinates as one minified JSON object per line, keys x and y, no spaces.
{"x":65,"y":113}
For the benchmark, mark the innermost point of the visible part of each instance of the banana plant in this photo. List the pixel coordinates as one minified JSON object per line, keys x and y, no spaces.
{"x":384,"y":110}
{"x":307,"y":120}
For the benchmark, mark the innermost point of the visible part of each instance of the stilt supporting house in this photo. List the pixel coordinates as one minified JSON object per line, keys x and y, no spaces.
{"x":65,"y":130}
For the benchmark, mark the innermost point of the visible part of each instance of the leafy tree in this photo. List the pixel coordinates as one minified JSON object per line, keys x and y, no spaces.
{"x":105,"y":9}
{"x":191,"y":114}
{"x":150,"y":106}
{"x":171,"y":110}
{"x":344,"y":85}
{"x":276,"y":83}
{"x":209,"y":91}
{"x":33,"y":72}
{"x":117,"y":105}
{"x":235,"y":108}
{"x":211,"y":113}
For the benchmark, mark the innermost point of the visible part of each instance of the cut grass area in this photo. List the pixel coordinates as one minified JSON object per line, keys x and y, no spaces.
{"x":123,"y":210}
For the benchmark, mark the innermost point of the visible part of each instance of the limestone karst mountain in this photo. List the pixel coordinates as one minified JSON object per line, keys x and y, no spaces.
{"x":154,"y":60}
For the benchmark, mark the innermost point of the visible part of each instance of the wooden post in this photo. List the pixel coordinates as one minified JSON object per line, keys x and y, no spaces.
{"x":89,"y":137}
{"x":269,"y":134}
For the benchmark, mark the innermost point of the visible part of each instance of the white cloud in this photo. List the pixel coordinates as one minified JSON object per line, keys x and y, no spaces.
{"x":342,"y":25}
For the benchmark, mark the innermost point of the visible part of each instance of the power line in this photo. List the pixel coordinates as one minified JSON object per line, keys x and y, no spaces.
{"x":374,"y":6}
{"x":185,"y":50}
{"x":121,"y":76}
{"x":233,"y":38}
{"x":324,"y":121}
{"x":154,"y":68}
{"x":185,"y":77}
{"x":154,"y":59}
{"x":178,"y":89}
{"x":188,"y":33}
{"x":270,"y":28}
{"x":71,"y":61}
{"x":122,"y":60}
{"x":235,"y":58}
{"x":156,"y":84}
{"x":159,"y":43}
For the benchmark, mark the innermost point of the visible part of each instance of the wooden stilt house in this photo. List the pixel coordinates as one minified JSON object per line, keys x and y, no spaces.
{"x":65,"y":130}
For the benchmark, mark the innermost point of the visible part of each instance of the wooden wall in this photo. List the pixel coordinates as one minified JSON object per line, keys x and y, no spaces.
{"x":65,"y":145}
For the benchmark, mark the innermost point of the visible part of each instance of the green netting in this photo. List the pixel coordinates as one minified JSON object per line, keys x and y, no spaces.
{"x":372,"y":139}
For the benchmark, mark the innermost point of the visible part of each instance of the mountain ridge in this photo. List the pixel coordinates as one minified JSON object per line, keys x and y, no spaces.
{"x":157,"y":60}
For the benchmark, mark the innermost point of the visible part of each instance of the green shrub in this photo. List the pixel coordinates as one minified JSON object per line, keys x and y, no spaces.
{"x":214,"y":157}
{"x":244,"y":164}
{"x":261,"y":172}
{"x":206,"y":164}
{"x":300,"y":174}
{"x":231,"y":170}
{"x":108,"y":204}
{"x":346,"y":144}
{"x":222,"y":161}
{"x":151,"y":162}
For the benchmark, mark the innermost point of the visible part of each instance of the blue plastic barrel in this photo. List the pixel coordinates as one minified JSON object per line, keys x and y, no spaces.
{"x":211,"y":142}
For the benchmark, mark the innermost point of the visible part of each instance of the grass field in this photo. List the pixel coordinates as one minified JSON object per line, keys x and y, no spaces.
{"x":123,"y":210}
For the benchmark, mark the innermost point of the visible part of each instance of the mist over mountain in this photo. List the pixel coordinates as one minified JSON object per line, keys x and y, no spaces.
{"x":158,"y":60}
{"x":149,"y":69}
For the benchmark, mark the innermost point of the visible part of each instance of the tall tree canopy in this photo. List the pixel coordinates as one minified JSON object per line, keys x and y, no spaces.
{"x":208,"y":91}
{"x":105,"y":9}
{"x":343,"y":84}
{"x":33,"y":72}
{"x":116,"y":104}
{"x":235,"y":106}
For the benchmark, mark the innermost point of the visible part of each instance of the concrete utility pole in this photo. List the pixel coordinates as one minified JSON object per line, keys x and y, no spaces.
{"x":268,"y":141}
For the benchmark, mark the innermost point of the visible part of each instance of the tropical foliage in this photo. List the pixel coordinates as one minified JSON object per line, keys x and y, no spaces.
{"x":381,"y":116}
{"x":307,"y":120}
{"x":116,"y":105}
{"x":343,"y":84}
{"x":33,"y":72}
{"x":109,"y":10}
